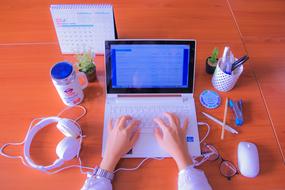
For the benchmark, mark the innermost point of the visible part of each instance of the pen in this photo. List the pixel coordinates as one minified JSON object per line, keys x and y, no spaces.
{"x":237,"y":110}
{"x":225,"y":118}
{"x":240,"y":104}
{"x":227,"y":127}
{"x":239,"y":62}
{"x":226,"y":59}
{"x":228,"y":68}
{"x":225,"y":54}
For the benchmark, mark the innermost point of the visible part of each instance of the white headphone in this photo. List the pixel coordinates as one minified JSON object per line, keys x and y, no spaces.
{"x":67,"y":148}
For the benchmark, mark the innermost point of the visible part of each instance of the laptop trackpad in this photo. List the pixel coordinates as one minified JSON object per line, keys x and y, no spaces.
{"x":147,"y":146}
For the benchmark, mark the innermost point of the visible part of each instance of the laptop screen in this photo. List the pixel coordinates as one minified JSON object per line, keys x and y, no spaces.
{"x":150,"y":66}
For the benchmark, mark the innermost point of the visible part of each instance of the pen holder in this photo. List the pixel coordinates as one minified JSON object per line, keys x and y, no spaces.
{"x":225,"y":82}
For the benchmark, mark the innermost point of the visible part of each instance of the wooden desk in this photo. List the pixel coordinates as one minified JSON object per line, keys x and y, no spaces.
{"x":263,"y":32}
{"x":28,"y":49}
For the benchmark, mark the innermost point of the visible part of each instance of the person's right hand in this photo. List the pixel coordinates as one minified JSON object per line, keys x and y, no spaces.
{"x":172,"y":138}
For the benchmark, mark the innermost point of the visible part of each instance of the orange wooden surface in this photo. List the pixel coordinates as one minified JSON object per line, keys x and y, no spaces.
{"x":28,"y":49}
{"x":263,"y":32}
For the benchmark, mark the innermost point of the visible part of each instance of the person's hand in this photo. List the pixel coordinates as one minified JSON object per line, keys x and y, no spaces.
{"x":120,"y":140}
{"x":172,"y":139}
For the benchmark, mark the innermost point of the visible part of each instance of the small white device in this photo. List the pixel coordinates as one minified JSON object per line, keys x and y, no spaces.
{"x":248,"y":159}
{"x":145,"y":78}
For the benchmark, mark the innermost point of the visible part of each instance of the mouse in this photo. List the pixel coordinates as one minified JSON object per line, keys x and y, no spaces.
{"x":248,"y":159}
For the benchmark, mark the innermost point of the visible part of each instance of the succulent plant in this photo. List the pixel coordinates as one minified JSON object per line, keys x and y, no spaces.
{"x":85,"y":62}
{"x":214,"y":56}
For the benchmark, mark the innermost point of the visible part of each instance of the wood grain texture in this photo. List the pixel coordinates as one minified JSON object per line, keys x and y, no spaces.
{"x":27,"y":92}
{"x":30,"y":21}
{"x":262,"y":29}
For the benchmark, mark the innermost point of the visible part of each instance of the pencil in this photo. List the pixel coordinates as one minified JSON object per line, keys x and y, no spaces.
{"x":224,"y":121}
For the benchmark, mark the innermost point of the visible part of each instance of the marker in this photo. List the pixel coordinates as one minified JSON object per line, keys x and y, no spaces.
{"x":227,"y":127}
{"x":237,"y":110}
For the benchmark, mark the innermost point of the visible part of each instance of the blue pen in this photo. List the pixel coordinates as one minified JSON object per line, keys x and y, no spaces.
{"x":239,"y":62}
{"x":228,"y":68}
{"x":240,"y":104}
{"x":237,"y":110}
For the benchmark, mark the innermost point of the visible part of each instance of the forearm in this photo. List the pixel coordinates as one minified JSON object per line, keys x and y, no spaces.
{"x":182,"y":160}
{"x":109,"y":163}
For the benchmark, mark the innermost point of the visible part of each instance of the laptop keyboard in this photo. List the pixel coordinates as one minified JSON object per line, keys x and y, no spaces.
{"x":146,"y":114}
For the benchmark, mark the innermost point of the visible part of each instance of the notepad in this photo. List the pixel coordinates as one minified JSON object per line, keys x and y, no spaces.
{"x":83,"y":27}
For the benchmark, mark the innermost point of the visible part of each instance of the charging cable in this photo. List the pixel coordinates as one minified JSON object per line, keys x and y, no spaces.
{"x":157,"y":158}
{"x":208,"y":130}
{"x":82,"y":136}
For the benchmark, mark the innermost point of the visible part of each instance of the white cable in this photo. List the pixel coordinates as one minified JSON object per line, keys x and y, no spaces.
{"x":208,"y":131}
{"x":18,"y":143}
{"x":85,"y":167}
{"x":77,"y":106}
{"x":207,"y":155}
{"x":68,"y":167}
{"x":72,"y":166}
{"x":8,"y":156}
{"x":138,"y":166}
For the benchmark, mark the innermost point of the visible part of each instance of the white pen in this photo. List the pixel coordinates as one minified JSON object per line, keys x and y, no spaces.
{"x":227,"y":127}
{"x":225,"y":58}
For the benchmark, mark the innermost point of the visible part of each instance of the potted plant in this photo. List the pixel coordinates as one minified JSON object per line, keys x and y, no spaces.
{"x":211,"y":62}
{"x":85,"y":63}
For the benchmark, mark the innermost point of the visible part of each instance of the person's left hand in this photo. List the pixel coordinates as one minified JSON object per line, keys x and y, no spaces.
{"x":120,"y":140}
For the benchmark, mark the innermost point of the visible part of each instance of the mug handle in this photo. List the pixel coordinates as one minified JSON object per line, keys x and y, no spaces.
{"x":85,"y":83}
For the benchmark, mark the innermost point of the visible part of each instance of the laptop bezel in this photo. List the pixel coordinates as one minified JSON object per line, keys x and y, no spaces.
{"x":191,"y":68}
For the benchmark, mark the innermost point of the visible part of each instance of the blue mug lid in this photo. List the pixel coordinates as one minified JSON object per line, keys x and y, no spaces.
{"x":61,"y":70}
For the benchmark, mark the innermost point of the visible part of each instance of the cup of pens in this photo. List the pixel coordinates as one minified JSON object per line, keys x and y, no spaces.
{"x":228,"y":71}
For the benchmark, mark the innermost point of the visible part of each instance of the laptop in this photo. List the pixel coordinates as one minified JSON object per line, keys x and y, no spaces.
{"x":145,"y":78}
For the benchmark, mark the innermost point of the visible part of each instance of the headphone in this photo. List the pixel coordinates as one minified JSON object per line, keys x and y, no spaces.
{"x":67,"y":149}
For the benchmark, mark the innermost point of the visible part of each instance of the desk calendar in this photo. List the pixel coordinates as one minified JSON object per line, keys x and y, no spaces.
{"x":83,"y":27}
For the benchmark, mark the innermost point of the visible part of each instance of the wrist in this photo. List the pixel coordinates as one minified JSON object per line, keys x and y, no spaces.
{"x":99,"y":172}
{"x":109,"y":164}
{"x":183,"y":161}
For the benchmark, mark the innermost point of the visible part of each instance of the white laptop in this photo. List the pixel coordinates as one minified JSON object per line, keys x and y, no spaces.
{"x":145,"y":78}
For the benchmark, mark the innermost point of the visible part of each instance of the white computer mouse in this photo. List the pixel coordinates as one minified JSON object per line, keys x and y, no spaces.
{"x":248,"y":159}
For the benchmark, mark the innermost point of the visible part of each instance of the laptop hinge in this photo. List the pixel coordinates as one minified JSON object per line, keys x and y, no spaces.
{"x":147,"y":95}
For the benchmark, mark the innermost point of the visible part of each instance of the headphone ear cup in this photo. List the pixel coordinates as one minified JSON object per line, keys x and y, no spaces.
{"x":68,"y":128}
{"x":68,"y":148}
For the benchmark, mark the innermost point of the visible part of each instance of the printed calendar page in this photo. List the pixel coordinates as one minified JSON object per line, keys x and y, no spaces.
{"x":83,"y":27}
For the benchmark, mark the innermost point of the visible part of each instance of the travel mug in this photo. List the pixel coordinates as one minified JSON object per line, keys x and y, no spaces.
{"x":66,"y":82}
